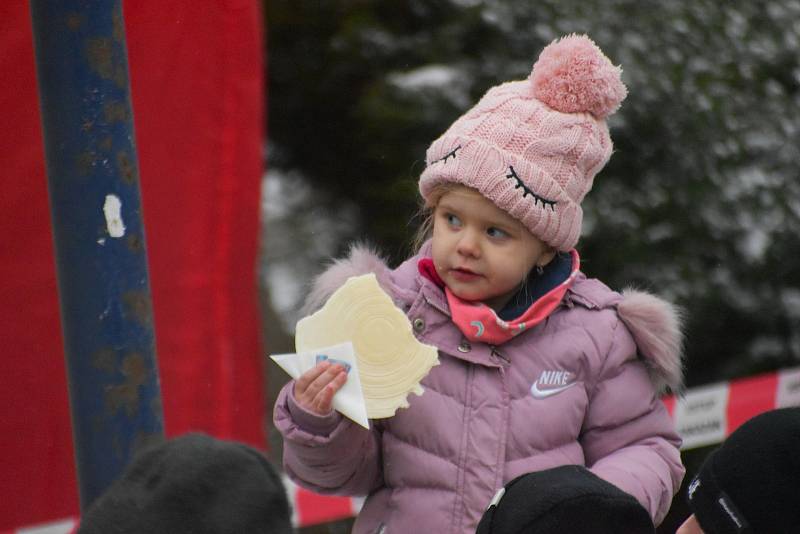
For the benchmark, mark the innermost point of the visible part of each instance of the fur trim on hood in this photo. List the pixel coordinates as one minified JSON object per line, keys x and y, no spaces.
{"x":361,"y":260}
{"x":656,"y":326}
{"x":654,"y":323}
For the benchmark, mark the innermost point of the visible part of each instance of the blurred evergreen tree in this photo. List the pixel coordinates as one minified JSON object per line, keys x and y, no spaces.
{"x":700,"y":202}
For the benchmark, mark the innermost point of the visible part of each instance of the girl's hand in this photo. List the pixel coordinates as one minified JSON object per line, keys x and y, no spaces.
{"x":314,"y":389}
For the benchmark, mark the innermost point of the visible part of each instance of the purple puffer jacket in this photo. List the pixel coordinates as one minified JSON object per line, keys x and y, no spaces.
{"x":572,"y":390}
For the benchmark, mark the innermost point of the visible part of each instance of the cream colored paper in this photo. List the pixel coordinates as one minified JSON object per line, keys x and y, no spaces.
{"x":391,"y":361}
{"x":349,"y":400}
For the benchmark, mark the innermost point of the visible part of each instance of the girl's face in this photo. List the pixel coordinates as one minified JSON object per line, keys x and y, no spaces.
{"x":481,"y":252}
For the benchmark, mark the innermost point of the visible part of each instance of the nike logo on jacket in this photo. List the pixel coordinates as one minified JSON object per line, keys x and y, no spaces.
{"x":551,"y":383}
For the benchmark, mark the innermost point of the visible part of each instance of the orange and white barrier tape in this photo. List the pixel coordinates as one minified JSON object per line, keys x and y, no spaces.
{"x":707,"y":415}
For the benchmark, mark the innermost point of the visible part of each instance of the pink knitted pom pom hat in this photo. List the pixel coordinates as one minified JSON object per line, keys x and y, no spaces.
{"x":533,"y":147}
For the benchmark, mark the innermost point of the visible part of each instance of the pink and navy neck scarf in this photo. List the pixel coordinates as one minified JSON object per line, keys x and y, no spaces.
{"x":479,"y":322}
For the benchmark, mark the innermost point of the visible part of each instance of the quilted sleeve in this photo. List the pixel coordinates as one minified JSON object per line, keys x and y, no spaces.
{"x":329,"y":454}
{"x":628,"y":437}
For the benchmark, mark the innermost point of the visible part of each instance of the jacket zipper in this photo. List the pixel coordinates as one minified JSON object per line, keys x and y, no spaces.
{"x":498,"y":354}
{"x":460,"y":476}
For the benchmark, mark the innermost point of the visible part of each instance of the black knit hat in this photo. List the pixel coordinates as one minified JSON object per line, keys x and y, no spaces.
{"x":751,"y":484}
{"x":566,"y":499}
{"x":193,"y":484}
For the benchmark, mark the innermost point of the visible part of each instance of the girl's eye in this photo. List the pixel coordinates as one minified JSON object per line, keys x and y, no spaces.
{"x":452,"y":220}
{"x":496,"y":233}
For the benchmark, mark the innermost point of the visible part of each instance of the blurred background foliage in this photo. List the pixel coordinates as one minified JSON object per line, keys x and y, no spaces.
{"x":700,"y":202}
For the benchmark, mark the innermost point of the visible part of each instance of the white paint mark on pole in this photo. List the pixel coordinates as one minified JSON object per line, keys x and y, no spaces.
{"x":112,"y":210}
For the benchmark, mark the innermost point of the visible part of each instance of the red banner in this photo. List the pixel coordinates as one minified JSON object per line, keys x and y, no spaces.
{"x":197,"y":86}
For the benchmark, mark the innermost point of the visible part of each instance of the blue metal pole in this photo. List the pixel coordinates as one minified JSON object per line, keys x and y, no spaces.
{"x":95,"y":204}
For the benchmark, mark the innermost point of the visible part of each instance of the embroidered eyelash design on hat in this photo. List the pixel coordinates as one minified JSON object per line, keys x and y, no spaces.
{"x":526,"y":191}
{"x":451,"y":154}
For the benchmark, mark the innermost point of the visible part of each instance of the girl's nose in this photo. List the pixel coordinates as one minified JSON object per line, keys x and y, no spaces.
{"x":469,"y":244}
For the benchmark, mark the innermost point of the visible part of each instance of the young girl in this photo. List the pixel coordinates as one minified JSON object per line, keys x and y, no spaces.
{"x":540,"y":365}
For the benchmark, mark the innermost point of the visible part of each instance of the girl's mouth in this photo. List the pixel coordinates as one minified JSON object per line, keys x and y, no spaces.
{"x":464,"y":275}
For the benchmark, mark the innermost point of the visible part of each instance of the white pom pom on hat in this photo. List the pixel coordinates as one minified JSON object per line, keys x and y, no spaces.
{"x":534,"y":146}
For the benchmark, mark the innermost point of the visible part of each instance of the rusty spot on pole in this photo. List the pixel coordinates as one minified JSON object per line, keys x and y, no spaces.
{"x":74,"y":21}
{"x":84,"y":163}
{"x":106,"y":143}
{"x":100,"y":56}
{"x":120,"y":76}
{"x":126,"y":395}
{"x":118,"y":33}
{"x":126,"y":167}
{"x":103,"y":359}
{"x":135,"y":244}
{"x":115,"y":112}
{"x":118,"y":24}
{"x":137,"y":305}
